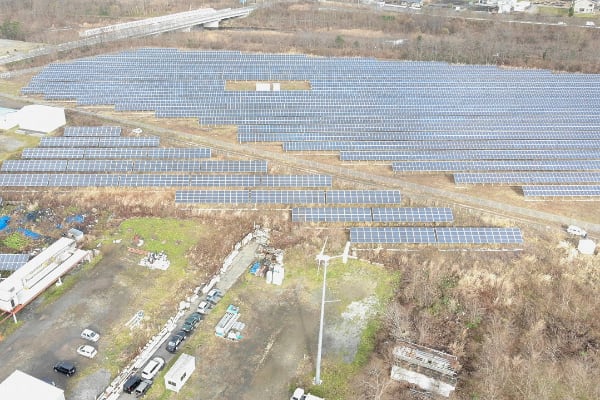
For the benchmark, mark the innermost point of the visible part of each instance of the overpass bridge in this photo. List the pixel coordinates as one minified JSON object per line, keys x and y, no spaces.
{"x":209,"y":18}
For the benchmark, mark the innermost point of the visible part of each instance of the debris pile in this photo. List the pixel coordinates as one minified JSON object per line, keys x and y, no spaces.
{"x":269,"y":265}
{"x":156,"y":261}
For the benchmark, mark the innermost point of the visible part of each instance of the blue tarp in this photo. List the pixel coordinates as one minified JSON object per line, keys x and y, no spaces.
{"x":4,"y":220}
{"x":78,"y":219}
{"x":255,"y":267}
{"x":29,"y":233}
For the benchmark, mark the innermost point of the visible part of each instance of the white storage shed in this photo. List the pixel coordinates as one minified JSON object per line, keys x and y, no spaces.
{"x":180,"y":372}
{"x":20,"y":386}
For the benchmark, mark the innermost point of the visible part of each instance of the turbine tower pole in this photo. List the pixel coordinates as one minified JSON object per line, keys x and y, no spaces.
{"x":317,"y":380}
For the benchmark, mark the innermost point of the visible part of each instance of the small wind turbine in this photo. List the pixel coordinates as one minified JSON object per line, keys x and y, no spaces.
{"x":322,"y":257}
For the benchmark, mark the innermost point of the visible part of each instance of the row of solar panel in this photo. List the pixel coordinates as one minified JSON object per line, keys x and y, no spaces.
{"x":114,"y":180}
{"x":115,"y":152}
{"x":375,"y":214}
{"x":85,"y":141}
{"x":562,"y":191}
{"x":497,"y":165}
{"x":416,"y":136}
{"x":54,"y":165}
{"x":289,"y":196}
{"x":440,"y":235}
{"x":515,"y":154}
{"x":383,"y":145}
{"x":12,"y":262}
{"x":92,"y":131}
{"x":518,"y":178}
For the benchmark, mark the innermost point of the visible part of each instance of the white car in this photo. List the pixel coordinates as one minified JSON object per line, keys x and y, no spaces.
{"x":575,"y":230}
{"x":204,"y":307}
{"x":90,"y":335}
{"x":87,"y":350}
{"x":152,"y":368}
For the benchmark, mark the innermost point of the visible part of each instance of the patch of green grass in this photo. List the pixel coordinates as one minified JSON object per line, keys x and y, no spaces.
{"x":8,"y":326}
{"x":16,"y":241}
{"x":173,"y":236}
{"x":553,"y":11}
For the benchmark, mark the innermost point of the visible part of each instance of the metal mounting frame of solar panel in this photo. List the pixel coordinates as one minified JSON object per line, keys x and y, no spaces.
{"x":331,"y":214}
{"x":363,"y":197}
{"x":399,"y":235}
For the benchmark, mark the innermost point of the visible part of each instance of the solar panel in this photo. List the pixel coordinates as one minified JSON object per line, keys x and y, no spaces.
{"x":99,"y":165}
{"x":233,"y":166}
{"x":34,"y":165}
{"x":51,"y":152}
{"x":83,"y":180}
{"x":92,"y":131}
{"x":287,"y":196}
{"x":407,"y":214}
{"x":515,"y":178}
{"x":12,"y":262}
{"x":411,"y":235}
{"x":225,"y":180}
{"x":212,"y":196}
{"x":562,"y":191}
{"x":151,"y":180}
{"x":363,"y":196}
{"x":23,"y":180}
{"x":296,"y":180}
{"x":496,"y":165}
{"x":331,"y":214}
{"x":454,"y":235}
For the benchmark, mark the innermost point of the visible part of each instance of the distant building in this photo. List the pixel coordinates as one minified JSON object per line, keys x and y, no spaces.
{"x":584,"y":6}
{"x":8,"y":118}
{"x":27,"y":282}
{"x":20,"y":386}
{"x":33,"y":118}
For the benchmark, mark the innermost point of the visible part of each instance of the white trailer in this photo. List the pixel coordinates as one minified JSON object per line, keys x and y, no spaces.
{"x":180,"y":372}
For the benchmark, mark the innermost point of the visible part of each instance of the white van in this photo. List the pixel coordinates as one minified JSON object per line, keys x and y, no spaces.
{"x":575,"y":230}
{"x":152,"y":368}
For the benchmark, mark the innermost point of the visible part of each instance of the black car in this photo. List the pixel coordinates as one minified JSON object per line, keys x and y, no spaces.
{"x":65,"y":367}
{"x":197,"y":314}
{"x":191,"y":322}
{"x":174,"y":342}
{"x":132,"y":383}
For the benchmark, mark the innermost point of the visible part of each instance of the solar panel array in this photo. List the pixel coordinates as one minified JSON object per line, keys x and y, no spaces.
{"x":115,"y":152}
{"x":422,"y":116}
{"x":161,"y":180}
{"x":562,"y":191}
{"x":92,"y":131}
{"x":12,"y":262}
{"x":298,"y":196}
{"x":374,"y":214}
{"x":441,"y":235}
{"x":99,"y":141}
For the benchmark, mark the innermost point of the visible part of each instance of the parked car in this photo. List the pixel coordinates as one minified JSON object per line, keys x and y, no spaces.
{"x":174,"y":342}
{"x":142,"y":388}
{"x":575,"y":230}
{"x":196,"y":314}
{"x":90,"y":335}
{"x":132,"y":383}
{"x":87,"y":350}
{"x":152,"y":368}
{"x":204,"y":307}
{"x":65,"y":367}
{"x":190,"y":324}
